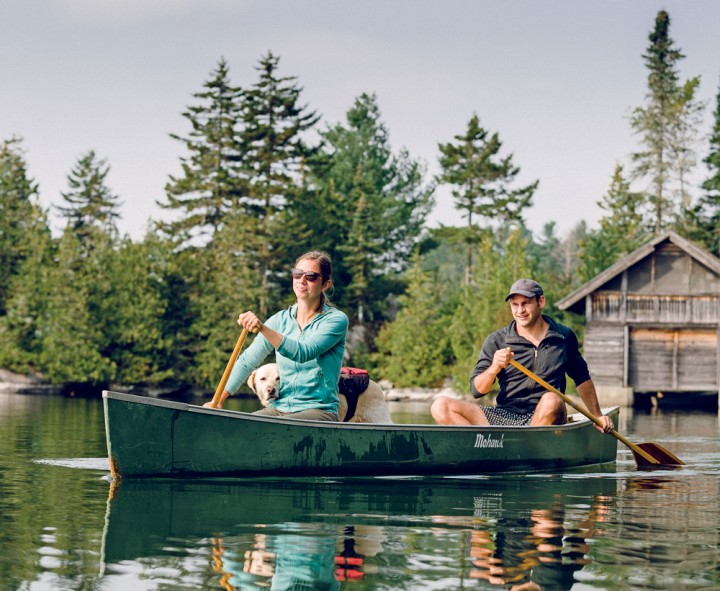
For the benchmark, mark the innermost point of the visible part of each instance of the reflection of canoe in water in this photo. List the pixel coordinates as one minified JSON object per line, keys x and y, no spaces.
{"x":148,"y":437}
{"x":145,"y":516}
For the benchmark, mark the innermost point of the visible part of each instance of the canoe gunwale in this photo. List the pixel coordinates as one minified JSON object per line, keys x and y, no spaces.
{"x":579,"y":421}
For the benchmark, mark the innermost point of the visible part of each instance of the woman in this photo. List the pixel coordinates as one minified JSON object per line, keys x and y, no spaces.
{"x":309,"y":338}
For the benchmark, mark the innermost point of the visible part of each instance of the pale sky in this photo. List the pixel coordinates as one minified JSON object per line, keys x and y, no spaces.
{"x":556,"y":79}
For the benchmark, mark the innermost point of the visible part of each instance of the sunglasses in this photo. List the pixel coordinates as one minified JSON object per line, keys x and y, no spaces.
{"x":311,"y":276}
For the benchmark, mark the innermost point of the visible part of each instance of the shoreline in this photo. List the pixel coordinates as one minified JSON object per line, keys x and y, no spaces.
{"x":12,"y":383}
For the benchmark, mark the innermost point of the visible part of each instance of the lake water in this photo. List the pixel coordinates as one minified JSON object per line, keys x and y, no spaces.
{"x":65,"y":526}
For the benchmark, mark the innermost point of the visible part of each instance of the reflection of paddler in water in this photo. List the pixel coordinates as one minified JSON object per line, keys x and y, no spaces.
{"x":538,"y":551}
{"x":318,"y":558}
{"x":358,"y":543}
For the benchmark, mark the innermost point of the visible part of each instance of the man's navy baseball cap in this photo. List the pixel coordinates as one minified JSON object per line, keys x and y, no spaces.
{"x":526,"y":287}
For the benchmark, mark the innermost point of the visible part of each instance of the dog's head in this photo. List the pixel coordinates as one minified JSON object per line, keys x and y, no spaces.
{"x":265,"y":382}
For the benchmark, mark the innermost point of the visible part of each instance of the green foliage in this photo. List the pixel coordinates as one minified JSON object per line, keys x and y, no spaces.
{"x":705,"y":216}
{"x":414,"y":349}
{"x":503,"y":257}
{"x":622,"y":229}
{"x":128,"y":303}
{"x":667,"y":126}
{"x":21,"y":325}
{"x":18,"y":213}
{"x":370,"y":209}
{"x":71,"y":339}
{"x":91,"y":206}
{"x":272,"y":139}
{"x":214,"y":180}
{"x":232,"y":283}
{"x":482,"y":183}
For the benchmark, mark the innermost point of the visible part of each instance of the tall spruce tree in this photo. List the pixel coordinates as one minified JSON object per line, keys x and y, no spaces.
{"x":705,"y":217}
{"x":18,"y":213}
{"x":622,"y":229}
{"x":274,"y":145}
{"x":90,"y":206}
{"x":482,"y":183}
{"x":372,"y":207}
{"x":667,"y":127}
{"x":214,"y":177}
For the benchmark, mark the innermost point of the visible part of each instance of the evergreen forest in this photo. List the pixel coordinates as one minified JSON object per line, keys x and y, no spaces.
{"x":263,"y":179}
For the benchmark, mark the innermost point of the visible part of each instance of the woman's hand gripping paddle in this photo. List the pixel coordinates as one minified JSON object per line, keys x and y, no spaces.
{"x":647,"y":455}
{"x":228,"y":368}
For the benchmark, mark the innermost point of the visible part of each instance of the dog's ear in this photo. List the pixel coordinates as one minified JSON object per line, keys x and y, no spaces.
{"x":251,"y":381}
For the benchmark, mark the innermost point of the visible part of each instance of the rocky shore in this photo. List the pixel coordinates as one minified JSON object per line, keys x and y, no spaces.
{"x":21,"y":384}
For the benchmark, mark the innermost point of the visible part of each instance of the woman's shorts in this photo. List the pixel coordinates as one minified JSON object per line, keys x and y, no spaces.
{"x":496,"y":415}
{"x":311,"y":414}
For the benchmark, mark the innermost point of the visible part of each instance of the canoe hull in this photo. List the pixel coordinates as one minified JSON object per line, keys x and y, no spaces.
{"x":149,"y":437}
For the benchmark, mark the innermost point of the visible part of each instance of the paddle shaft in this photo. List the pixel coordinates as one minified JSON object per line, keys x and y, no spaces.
{"x":637,"y":449}
{"x":228,"y":368}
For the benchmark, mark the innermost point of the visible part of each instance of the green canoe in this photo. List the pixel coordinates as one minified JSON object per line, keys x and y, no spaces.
{"x":150,"y":437}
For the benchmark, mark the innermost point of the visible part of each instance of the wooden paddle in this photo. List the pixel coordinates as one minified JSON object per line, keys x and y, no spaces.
{"x":228,"y":368}
{"x":646,"y":454}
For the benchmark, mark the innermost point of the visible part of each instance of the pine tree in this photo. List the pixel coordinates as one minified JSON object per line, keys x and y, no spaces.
{"x":372,"y":204}
{"x":214,"y":176}
{"x":273,"y":143}
{"x":482,"y":183}
{"x":705,"y":216}
{"x":18,"y":213}
{"x":622,"y":229}
{"x":667,"y":127}
{"x":90,"y":205}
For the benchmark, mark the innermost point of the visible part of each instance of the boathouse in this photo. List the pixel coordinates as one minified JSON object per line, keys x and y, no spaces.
{"x":652,"y":322}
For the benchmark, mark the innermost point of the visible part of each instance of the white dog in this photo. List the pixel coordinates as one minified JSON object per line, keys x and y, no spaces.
{"x":265,"y":382}
{"x":371,"y":405}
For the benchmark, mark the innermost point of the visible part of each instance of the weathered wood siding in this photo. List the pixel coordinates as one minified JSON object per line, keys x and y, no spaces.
{"x":671,"y":271}
{"x":613,"y":306}
{"x":604,"y":351}
{"x":653,"y":319}
{"x":672,"y":360}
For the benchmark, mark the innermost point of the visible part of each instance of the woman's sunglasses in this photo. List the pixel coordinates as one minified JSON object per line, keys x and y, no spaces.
{"x":311,"y":276}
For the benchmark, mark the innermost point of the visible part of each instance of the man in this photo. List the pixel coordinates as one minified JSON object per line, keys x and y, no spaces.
{"x":541,"y":344}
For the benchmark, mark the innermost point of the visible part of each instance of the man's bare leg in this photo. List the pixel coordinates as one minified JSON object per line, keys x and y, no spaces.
{"x":449,"y":411}
{"x":550,"y":410}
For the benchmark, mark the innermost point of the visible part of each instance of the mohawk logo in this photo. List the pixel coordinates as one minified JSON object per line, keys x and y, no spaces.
{"x":483,"y":441}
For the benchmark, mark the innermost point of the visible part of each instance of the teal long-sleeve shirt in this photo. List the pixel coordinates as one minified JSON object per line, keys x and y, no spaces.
{"x":309,"y":360}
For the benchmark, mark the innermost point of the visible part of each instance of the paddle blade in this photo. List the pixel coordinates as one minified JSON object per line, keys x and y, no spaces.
{"x":659,"y":453}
